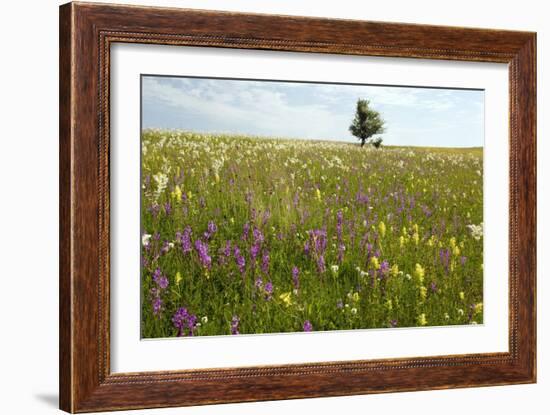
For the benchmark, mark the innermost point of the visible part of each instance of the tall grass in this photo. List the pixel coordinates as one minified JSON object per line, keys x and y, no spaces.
{"x":256,"y":235}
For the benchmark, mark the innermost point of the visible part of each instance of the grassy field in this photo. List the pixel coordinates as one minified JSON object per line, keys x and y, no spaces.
{"x":245,"y":235}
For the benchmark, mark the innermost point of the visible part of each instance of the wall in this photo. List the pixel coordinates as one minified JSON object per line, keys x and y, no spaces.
{"x":28,"y":228}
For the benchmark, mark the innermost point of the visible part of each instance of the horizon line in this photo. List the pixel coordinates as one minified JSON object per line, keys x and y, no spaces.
{"x":288,"y":138}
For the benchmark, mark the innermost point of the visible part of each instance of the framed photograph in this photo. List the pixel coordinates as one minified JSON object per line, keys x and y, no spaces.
{"x":258,"y":207}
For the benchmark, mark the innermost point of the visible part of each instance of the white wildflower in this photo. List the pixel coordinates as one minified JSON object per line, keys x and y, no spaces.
{"x":476,"y":230}
{"x":145,"y":239}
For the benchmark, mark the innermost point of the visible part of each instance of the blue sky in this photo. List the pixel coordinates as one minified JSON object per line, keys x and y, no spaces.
{"x":414,"y":116}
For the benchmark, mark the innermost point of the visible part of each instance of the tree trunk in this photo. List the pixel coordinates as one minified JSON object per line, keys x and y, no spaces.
{"x":362,"y":142}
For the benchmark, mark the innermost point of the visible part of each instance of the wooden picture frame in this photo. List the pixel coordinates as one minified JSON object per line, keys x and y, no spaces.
{"x":86,"y":33}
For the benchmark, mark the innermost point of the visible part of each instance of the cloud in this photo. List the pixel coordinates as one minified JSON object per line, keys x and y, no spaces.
{"x":304,"y":110}
{"x":255,"y":107}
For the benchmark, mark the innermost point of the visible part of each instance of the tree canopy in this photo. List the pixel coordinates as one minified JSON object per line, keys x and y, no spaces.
{"x":367,"y":123}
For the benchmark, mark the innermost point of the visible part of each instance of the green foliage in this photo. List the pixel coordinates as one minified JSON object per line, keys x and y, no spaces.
{"x":407,"y":205}
{"x":367,"y":123}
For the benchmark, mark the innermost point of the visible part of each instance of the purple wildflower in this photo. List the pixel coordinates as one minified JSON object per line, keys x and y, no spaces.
{"x":160,"y":279}
{"x":154,"y":209}
{"x":265,"y":262}
{"x":384,"y":268}
{"x":167,"y":208}
{"x":463,"y":260}
{"x":340,"y":304}
{"x":445,"y":256}
{"x":339,"y":221}
{"x":268,"y":289}
{"x":258,"y":236}
{"x":186,"y":245}
{"x":184,"y":321}
{"x":266,"y":216}
{"x":426,"y":211}
{"x":246,"y":231}
{"x":165,"y":247}
{"x":239,"y":259}
{"x":307,"y":326}
{"x":393,"y":323}
{"x":306,"y":248}
{"x":235,"y":325}
{"x":163,"y":282}
{"x":248,"y":197}
{"x":227,"y":249}
{"x":295,"y":277}
{"x":156,"y":274}
{"x":202,"y":250}
{"x":156,"y":301}
{"x":318,"y":239}
{"x":259,"y":283}
{"x":321,"y":264}
{"x":211,"y":230}
{"x":254,"y":251}
{"x":157,"y":306}
{"x":296,"y":199}
{"x":341,"y":250}
{"x":433,"y":287}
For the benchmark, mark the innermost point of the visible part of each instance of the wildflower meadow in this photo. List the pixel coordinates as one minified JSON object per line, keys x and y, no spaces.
{"x":249,"y":235}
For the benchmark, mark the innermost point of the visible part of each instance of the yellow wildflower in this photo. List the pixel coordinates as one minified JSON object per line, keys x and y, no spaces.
{"x":423,"y":292}
{"x":401,"y":241}
{"x":415,"y":227}
{"x":456,"y":251}
{"x":176,"y":194}
{"x":318,"y":194}
{"x":190,"y":195}
{"x":478,"y":308}
{"x":374,"y":262}
{"x":422,"y":319}
{"x":286,"y":298}
{"x":355,"y":296}
{"x":416,"y":238}
{"x":419,"y":273}
{"x":382,"y":229}
{"x":452,"y":241}
{"x":389,"y":304}
{"x":461,"y":295}
{"x":394,"y":270}
{"x":178,"y":278}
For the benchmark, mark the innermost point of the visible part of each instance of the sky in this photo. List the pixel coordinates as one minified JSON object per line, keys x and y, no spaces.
{"x":413,"y":116}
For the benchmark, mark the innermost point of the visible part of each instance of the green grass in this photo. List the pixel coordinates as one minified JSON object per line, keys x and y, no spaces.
{"x":402,"y":206}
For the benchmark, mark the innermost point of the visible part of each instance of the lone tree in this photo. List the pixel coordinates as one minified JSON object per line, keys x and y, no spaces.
{"x":366,"y":123}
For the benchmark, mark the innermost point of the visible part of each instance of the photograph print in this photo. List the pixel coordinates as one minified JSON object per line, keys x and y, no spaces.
{"x":276,"y":206}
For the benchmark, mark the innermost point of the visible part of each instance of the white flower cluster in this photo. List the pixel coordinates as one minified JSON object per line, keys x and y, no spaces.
{"x":476,"y":231}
